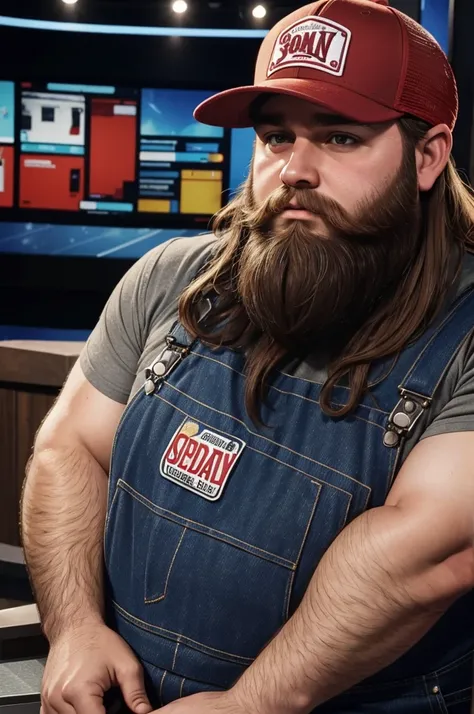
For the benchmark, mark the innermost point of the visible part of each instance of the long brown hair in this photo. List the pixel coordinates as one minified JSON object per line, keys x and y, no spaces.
{"x":447,"y":222}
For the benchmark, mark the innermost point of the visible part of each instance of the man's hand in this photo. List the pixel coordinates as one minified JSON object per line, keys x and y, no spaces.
{"x":84,"y":664}
{"x":208,"y":703}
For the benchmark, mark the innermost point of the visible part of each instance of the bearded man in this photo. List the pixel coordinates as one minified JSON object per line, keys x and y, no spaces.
{"x":281,"y":414}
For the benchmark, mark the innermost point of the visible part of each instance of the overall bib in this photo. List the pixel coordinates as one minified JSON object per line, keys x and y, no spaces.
{"x":215,"y":527}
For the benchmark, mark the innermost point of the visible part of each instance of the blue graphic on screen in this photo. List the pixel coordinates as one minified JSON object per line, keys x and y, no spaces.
{"x":7,"y":112}
{"x":435,"y":18}
{"x":183,"y":164}
{"x":169,"y":112}
{"x":241,"y":155}
{"x":88,"y":241}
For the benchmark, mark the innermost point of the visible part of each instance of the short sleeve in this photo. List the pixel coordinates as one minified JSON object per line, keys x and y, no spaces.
{"x":110,"y":357}
{"x":457,"y":410}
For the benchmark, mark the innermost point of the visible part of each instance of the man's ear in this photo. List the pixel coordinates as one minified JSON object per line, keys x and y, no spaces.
{"x":432,"y":155}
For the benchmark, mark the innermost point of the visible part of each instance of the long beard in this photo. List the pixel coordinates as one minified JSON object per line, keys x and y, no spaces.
{"x":307,"y":291}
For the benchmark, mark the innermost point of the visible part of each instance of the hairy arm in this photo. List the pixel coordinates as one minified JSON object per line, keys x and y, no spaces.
{"x":64,"y":505}
{"x":381,"y":586}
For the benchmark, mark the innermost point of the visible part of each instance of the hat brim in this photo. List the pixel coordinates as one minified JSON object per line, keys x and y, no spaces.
{"x":231,"y":108}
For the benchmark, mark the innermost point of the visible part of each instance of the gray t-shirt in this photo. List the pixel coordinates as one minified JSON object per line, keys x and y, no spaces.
{"x":140,"y":312}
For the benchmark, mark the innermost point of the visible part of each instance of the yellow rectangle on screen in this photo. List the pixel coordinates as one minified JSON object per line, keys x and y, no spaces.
{"x":154,"y":206}
{"x":201,"y":191}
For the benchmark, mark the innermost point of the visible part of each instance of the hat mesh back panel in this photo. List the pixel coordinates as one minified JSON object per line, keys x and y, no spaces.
{"x":429,"y":91}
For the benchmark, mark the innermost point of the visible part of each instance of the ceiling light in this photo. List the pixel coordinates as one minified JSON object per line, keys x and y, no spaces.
{"x":179,"y":6}
{"x":259,"y":11}
{"x":69,"y":2}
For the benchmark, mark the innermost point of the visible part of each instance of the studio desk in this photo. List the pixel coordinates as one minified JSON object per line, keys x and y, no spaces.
{"x":31,"y":376}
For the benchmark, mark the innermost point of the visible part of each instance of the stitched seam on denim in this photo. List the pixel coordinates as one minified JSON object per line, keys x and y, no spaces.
{"x":308,"y":525}
{"x":182,"y":638}
{"x":270,"y":441}
{"x":284,"y":374}
{"x":181,"y":688}
{"x":162,"y":597}
{"x":174,"y":658}
{"x":161,"y":687}
{"x":453,"y":665}
{"x":432,"y":700}
{"x":440,"y":700}
{"x":106,"y":527}
{"x":464,"y":695}
{"x":210,"y":532}
{"x":440,"y":327}
{"x":315,"y":401}
{"x":286,"y":601}
{"x":349,"y":505}
{"x":347,"y":389}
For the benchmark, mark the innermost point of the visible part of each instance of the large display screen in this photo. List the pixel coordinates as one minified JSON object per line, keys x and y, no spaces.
{"x":77,"y":160}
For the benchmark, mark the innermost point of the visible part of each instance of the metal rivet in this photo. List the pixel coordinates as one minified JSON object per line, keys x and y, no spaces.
{"x":149,"y":386}
{"x":402,"y":420}
{"x":159,"y":369}
{"x":435,"y":690}
{"x":410,"y":407}
{"x":391,"y":438}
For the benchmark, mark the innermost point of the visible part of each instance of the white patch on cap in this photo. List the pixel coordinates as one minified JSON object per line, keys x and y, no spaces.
{"x":313,"y":43}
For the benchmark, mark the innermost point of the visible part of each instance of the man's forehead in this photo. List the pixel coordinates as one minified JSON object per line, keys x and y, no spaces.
{"x":279,"y":109}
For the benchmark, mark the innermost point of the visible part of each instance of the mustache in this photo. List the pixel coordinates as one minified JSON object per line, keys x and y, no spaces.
{"x":260,"y":218}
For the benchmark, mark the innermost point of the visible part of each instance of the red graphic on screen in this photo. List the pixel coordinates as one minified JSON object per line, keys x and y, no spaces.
{"x":55,"y":182}
{"x":6,"y":176}
{"x":112,"y":148}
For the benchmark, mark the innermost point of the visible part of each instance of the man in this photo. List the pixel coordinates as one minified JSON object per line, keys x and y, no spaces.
{"x":289,"y":520}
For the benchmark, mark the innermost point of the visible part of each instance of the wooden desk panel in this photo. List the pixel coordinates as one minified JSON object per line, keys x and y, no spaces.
{"x":31,"y":376}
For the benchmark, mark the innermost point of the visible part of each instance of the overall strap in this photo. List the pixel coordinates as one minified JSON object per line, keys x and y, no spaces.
{"x":178,"y":345}
{"x":440,"y":344}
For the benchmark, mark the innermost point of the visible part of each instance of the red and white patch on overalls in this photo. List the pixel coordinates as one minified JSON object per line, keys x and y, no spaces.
{"x":200,"y":460}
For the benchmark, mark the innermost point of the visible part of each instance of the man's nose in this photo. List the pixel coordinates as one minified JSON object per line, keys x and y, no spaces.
{"x":301,"y":171}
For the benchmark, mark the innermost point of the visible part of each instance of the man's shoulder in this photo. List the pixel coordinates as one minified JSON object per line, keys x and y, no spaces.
{"x":169,"y":268}
{"x":178,"y":259}
{"x":179,"y":249}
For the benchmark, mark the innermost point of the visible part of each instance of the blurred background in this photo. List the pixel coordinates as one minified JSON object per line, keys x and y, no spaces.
{"x":100,"y":158}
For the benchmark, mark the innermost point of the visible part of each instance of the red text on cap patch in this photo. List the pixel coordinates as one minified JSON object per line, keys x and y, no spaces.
{"x":314,"y":43}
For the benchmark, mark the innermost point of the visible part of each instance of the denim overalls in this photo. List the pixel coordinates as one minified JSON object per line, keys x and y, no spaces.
{"x":215,"y":527}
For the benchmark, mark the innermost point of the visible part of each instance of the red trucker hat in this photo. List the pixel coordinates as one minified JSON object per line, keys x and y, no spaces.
{"x":359,"y":58}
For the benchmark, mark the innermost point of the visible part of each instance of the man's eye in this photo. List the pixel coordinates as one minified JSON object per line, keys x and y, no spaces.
{"x":276,"y":139}
{"x":343,"y":140}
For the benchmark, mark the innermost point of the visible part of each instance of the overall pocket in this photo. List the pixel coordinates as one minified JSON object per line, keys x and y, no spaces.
{"x":201,"y":586}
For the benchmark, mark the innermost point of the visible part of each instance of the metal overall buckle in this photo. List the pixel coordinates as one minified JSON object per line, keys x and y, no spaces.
{"x":173,"y":353}
{"x":404,"y":417}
